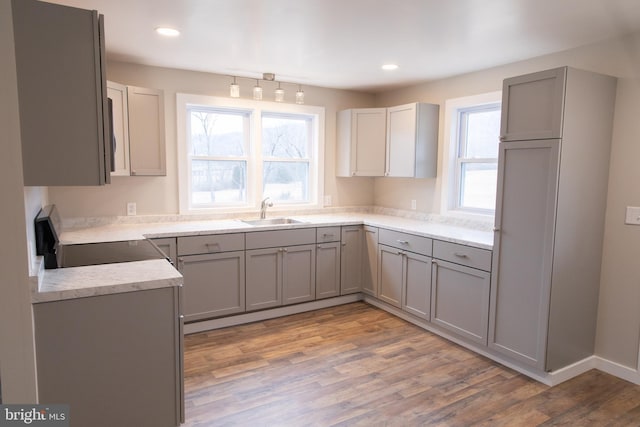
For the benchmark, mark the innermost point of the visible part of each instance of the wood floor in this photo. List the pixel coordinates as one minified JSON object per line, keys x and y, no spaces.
{"x":358,"y":365}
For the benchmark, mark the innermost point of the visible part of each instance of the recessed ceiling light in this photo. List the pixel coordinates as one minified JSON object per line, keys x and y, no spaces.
{"x":169,"y":32}
{"x":389,"y":67}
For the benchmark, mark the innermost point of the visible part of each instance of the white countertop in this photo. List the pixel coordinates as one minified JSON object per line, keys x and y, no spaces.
{"x":115,"y":232}
{"x":78,"y":282}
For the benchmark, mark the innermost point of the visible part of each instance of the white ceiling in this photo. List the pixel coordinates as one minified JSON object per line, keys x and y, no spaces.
{"x":343,"y":43}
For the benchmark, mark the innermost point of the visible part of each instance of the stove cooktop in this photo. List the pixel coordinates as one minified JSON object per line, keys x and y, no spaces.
{"x":78,"y":255}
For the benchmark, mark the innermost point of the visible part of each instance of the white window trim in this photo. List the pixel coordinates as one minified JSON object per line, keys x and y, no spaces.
{"x":316,"y":169}
{"x":448,"y":193}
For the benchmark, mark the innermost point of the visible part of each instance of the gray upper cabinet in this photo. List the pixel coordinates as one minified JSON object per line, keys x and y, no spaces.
{"x":533,"y":105}
{"x":62,"y":91}
{"x":361,"y":142}
{"x":118,"y":95}
{"x":549,"y":223}
{"x":146,"y":131}
{"x":412,"y":140}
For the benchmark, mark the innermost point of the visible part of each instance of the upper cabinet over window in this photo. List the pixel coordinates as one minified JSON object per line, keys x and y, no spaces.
{"x":399,"y":141}
{"x":533,"y":106}
{"x":64,"y":113}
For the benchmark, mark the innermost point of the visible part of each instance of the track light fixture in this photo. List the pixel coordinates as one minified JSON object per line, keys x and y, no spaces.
{"x":279,"y":92}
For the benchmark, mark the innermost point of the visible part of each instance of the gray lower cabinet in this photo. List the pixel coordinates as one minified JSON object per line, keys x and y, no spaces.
{"x":169,"y":247}
{"x":213,"y":267}
{"x":214,"y":284}
{"x":280,"y":276}
{"x":328,"y":262}
{"x":370,"y":261}
{"x":327,"y":270}
{"x":280,"y":268}
{"x":405,"y":280}
{"x":390,"y":262}
{"x":460,"y":300}
{"x":113,"y":362}
{"x":351,"y":260}
{"x":404,"y":271}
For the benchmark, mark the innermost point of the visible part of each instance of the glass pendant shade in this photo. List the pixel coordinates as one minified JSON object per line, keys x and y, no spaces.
{"x":279,"y":94}
{"x":257,"y":91}
{"x":234,"y":89}
{"x":299,"y":96}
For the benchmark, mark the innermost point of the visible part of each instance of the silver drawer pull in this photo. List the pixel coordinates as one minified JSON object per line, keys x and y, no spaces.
{"x":402,"y":242}
{"x":461,"y":255}
{"x":327,"y":235}
{"x":215,"y":246}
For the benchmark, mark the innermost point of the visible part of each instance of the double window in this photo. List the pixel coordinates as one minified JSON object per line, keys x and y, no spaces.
{"x":234,"y":153}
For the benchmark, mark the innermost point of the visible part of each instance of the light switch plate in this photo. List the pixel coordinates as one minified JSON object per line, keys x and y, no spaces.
{"x":327,"y":200}
{"x":414,"y":205}
{"x":633,"y":215}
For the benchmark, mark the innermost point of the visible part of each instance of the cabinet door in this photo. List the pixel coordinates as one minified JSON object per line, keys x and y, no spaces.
{"x":401,"y":141}
{"x":146,"y":131}
{"x":214,"y":284}
{"x":328,"y":270}
{"x":368,"y":141}
{"x":117,"y":348}
{"x":416,"y":295}
{"x":264,"y":278}
{"x":391,"y":266}
{"x":168,"y":247}
{"x":351,"y":260}
{"x":62,"y":94}
{"x":460,"y":300}
{"x":532,"y":106}
{"x":523,"y":249}
{"x":118,"y":95}
{"x":298,"y":274}
{"x":370,"y":261}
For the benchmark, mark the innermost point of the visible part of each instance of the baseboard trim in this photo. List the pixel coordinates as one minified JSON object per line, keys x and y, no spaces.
{"x":617,"y":370}
{"x":257,"y":316}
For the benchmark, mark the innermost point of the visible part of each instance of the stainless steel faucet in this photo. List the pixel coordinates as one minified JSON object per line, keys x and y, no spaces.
{"x":266,"y":203}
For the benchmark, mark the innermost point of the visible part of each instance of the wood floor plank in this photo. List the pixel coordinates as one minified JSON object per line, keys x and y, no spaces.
{"x":356,"y":365}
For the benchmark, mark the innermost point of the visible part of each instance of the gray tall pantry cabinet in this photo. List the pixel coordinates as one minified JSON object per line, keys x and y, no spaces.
{"x":552,"y":187}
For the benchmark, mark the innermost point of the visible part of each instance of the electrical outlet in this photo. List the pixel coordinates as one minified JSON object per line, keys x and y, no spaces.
{"x":131,"y":208}
{"x":414,"y":205}
{"x":633,"y":216}
{"x":327,"y":200}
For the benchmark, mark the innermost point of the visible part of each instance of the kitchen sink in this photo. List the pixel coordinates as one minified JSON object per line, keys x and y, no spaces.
{"x":272,"y":221}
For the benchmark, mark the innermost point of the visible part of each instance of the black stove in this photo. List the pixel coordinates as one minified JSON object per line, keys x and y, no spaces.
{"x":79,"y":255}
{"x":56,"y":255}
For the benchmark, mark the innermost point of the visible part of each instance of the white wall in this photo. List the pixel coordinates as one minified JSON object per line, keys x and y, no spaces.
{"x":159,"y":195}
{"x":17,"y":356}
{"x":619,"y":309}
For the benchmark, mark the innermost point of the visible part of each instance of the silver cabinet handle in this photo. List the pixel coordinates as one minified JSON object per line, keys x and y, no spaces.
{"x":344,"y":244}
{"x":402,"y":242}
{"x":461,"y":255}
{"x":503,"y":137}
{"x":496,"y":229}
{"x":284,"y":250}
{"x":328,"y":235}
{"x":216,"y":247}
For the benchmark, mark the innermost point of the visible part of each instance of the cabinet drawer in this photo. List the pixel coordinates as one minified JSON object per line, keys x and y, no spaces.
{"x":213,"y":243}
{"x":409,"y":242}
{"x":328,"y":234}
{"x":276,"y":238}
{"x":461,"y":254}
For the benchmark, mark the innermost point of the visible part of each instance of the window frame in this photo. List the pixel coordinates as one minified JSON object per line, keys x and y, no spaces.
{"x":461,"y":142}
{"x":255,"y":111}
{"x":449,"y":194}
